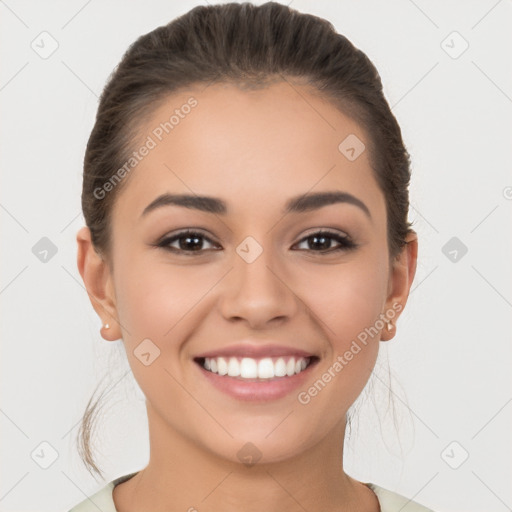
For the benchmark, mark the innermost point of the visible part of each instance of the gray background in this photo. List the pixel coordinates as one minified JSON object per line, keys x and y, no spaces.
{"x":451,"y":357}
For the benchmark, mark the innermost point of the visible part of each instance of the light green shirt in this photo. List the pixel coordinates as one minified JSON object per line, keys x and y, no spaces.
{"x":389,"y":501}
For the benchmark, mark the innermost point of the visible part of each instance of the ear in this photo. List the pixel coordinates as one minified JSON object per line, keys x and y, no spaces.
{"x":98,"y":281}
{"x":400,"y":281}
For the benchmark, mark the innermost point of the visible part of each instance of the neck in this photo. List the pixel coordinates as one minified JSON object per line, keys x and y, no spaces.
{"x":183,"y":476}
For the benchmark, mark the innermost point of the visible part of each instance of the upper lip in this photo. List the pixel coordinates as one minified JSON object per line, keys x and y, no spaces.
{"x":255,"y":351}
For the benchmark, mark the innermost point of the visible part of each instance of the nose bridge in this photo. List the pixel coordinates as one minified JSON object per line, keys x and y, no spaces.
{"x":255,"y":289}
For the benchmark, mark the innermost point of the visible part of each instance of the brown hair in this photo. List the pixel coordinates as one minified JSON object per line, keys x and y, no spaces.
{"x":250,"y":46}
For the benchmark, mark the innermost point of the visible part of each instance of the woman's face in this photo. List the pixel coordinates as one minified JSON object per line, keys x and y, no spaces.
{"x":253,"y":274}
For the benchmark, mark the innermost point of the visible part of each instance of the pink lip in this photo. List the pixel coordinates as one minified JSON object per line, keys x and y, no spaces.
{"x":252,"y":390}
{"x":255,"y":351}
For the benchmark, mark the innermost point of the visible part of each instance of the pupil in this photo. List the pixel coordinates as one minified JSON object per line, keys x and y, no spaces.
{"x":324,"y":244}
{"x":187,"y":243}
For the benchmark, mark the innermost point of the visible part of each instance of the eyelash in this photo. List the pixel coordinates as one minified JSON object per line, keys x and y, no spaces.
{"x":346,"y":242}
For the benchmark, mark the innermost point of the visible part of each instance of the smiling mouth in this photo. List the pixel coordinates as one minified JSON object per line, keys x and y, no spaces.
{"x":256,"y":369}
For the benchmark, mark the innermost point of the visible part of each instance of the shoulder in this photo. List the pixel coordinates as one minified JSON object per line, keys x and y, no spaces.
{"x":101,"y":500}
{"x":390,"y":501}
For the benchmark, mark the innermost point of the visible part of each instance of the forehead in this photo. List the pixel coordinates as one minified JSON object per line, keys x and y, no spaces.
{"x":254,"y":148}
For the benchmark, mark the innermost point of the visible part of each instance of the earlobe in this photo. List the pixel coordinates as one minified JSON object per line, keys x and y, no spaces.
{"x":400,"y":282}
{"x":97,"y":280}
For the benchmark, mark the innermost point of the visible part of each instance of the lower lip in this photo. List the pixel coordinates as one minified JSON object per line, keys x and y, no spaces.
{"x":257,"y":391}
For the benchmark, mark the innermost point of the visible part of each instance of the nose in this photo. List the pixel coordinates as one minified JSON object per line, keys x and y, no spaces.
{"x":258,"y":292}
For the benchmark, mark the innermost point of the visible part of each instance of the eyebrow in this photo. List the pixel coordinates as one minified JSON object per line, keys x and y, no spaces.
{"x":299,"y":204}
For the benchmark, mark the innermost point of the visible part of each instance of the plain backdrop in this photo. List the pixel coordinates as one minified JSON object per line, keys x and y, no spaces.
{"x":446,"y":71}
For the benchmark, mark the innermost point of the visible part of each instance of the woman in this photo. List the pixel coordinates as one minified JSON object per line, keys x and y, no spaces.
{"x":246,"y":196}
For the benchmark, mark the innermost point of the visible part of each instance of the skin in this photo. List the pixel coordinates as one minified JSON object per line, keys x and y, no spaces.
{"x":254,"y":149}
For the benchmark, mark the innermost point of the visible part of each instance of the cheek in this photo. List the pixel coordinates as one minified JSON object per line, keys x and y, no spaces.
{"x":347,"y":301}
{"x":155,"y":300}
{"x":158,"y":306}
{"x":348,"y":298}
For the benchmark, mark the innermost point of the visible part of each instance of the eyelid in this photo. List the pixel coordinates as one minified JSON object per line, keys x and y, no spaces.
{"x":184,"y":231}
{"x":331,"y":231}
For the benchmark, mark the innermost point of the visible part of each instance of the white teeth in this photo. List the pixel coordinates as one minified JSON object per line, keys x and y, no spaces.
{"x":280,"y":368}
{"x":290,"y":367}
{"x":249,"y":368}
{"x":222,"y":366}
{"x":233,"y":367}
{"x":266,"y":368}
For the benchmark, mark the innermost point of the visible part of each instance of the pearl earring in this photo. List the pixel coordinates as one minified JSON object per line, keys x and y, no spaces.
{"x":390,"y":325}
{"x":106,"y":326}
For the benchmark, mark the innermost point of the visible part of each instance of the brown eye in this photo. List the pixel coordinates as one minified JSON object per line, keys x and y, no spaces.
{"x":185,"y":242}
{"x":322,"y":241}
